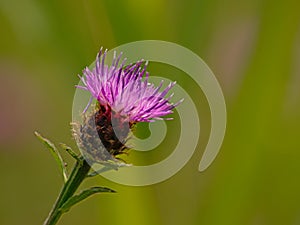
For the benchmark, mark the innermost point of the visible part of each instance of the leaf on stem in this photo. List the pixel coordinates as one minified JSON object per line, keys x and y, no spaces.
{"x":104,"y":166}
{"x":53,"y":150}
{"x":81,"y":196}
{"x":70,"y":151}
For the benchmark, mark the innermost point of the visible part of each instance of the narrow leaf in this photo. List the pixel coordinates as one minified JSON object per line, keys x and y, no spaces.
{"x":106,"y":166}
{"x":95,"y":173}
{"x":53,"y":150}
{"x":83,"y":195}
{"x":70,"y":151}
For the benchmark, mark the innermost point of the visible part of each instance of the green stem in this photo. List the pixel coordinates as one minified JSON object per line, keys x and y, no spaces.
{"x":77,"y":175}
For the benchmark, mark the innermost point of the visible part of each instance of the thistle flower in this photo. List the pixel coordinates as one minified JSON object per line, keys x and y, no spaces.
{"x":124,"y":97}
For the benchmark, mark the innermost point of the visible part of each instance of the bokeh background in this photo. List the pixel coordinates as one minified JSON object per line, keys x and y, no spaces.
{"x":253,"y":47}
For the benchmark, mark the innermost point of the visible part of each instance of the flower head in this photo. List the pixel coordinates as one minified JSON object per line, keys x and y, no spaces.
{"x":126,"y":90}
{"x":124,"y":97}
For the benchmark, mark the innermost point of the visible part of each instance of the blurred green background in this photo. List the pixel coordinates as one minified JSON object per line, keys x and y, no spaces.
{"x":253,"y":47}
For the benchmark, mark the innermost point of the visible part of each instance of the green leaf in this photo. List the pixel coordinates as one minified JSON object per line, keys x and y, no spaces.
{"x":96,"y":173}
{"x":70,"y":151}
{"x":53,"y":150}
{"x":83,"y":195}
{"x":106,"y":166}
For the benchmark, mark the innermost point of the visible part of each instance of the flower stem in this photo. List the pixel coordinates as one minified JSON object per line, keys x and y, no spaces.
{"x":77,"y":175}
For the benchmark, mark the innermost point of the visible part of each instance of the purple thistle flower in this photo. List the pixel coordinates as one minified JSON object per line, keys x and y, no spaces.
{"x":126,"y":90}
{"x":124,"y":97}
